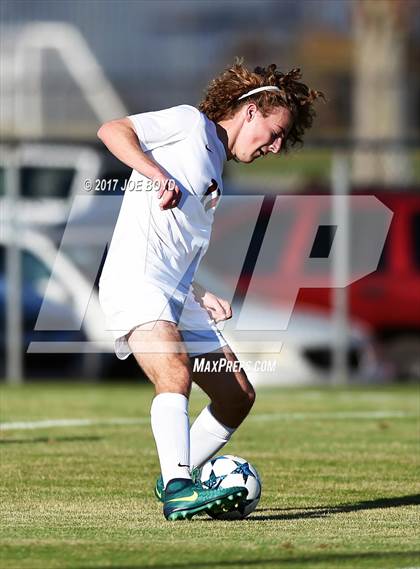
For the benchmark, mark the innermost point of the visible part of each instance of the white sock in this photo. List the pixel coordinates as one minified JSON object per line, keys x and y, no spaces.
{"x":207,"y":436}
{"x":170,"y":426}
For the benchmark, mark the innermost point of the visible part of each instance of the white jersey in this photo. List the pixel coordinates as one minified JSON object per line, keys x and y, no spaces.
{"x":156,"y":251}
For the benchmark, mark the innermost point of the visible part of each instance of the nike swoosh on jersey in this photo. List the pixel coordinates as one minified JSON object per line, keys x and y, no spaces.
{"x":209,"y":149}
{"x":191,"y":498}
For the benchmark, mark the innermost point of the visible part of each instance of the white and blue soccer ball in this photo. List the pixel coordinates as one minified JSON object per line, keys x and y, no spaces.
{"x":227,"y":471}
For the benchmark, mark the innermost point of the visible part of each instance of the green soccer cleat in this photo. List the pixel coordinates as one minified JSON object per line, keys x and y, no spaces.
{"x":160,"y":489}
{"x":184,"y":499}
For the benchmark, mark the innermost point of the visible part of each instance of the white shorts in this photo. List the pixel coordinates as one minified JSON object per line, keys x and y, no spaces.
{"x":198,"y":331}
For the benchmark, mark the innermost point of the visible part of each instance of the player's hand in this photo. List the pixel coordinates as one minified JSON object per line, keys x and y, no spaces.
{"x":169,"y":194}
{"x":218,"y":309}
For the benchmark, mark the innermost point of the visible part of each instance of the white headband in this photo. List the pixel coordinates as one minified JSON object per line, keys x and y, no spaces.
{"x":258,"y":89}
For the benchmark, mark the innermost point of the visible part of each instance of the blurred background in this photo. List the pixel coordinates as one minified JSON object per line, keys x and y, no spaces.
{"x":68,"y":66}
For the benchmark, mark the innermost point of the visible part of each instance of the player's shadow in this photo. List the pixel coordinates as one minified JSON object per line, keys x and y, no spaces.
{"x":49,"y":440}
{"x":324,"y":511}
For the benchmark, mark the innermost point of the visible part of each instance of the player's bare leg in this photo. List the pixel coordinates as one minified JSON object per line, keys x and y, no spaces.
{"x":160,"y":351}
{"x":161,"y":354}
{"x":232,"y":397}
{"x":231,"y":393}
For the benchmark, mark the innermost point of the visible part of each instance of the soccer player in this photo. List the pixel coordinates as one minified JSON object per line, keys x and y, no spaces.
{"x":153,"y":306}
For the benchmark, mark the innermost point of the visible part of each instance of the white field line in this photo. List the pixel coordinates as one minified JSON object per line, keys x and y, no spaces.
{"x":339,"y":415}
{"x":333,"y":415}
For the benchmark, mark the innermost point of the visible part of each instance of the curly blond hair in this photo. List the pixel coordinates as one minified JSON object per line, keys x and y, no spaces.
{"x":221,"y":96}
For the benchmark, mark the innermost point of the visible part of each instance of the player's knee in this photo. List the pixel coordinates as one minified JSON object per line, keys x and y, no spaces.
{"x":182,"y":378}
{"x":175,"y":378}
{"x":171,"y":385}
{"x":250,"y":396}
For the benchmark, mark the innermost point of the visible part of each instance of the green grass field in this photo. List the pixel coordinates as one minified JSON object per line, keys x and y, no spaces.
{"x":338,"y":466}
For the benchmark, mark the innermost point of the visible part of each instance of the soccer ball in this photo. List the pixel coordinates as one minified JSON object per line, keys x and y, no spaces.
{"x":227,"y":471}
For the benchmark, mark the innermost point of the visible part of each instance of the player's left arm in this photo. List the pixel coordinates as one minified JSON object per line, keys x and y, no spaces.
{"x":218,"y":308}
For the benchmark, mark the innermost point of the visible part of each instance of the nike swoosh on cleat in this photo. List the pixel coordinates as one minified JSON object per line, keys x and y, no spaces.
{"x":191,"y":498}
{"x":183,"y":465}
